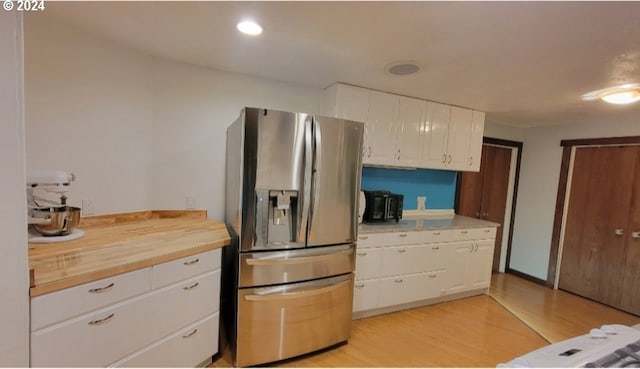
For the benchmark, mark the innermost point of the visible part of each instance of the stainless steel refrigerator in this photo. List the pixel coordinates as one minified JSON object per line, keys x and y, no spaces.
{"x":292,"y":187}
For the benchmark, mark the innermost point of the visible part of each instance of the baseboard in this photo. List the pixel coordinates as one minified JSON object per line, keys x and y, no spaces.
{"x":416,"y":304}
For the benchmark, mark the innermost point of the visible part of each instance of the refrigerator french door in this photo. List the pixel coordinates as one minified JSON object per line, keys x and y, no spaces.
{"x":293,"y":184}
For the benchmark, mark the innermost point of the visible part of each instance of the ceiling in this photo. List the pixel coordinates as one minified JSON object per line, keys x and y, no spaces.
{"x":524,"y":63}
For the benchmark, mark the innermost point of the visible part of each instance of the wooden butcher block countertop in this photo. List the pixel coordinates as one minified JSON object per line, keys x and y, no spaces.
{"x":121,"y":243}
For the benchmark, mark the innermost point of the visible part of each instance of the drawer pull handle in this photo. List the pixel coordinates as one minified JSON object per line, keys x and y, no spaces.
{"x":360,"y":285}
{"x":402,"y":235}
{"x":487,"y":230}
{"x":362,"y":254}
{"x":102,"y":321}
{"x":432,"y":275}
{"x":190,"y":334}
{"x":191,"y":262}
{"x":436,"y":233}
{"x":191,"y":287}
{"x":464,"y":232}
{"x":102,"y":289}
{"x":364,"y":237}
{"x":398,"y":280}
{"x":435,"y":248}
{"x":402,"y":250}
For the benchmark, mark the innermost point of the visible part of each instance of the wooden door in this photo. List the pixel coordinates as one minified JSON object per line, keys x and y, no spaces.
{"x":593,"y":256}
{"x":630,"y":296}
{"x":483,"y":195}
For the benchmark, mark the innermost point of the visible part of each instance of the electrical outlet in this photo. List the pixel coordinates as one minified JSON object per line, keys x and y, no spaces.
{"x":190,"y":202}
{"x":422,"y":202}
{"x":87,"y":207}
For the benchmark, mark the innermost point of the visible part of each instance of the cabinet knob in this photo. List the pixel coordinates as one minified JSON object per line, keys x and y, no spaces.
{"x":619,"y":232}
{"x":635,"y":234}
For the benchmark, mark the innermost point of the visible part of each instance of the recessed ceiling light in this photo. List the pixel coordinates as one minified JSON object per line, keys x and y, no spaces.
{"x":402,"y":68}
{"x":624,"y":94}
{"x":249,"y":28}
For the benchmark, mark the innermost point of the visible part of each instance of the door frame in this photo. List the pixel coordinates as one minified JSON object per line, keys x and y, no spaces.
{"x":564,"y":185}
{"x":516,"y":147}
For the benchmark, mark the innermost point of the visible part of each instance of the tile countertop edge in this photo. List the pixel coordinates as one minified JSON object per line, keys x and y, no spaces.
{"x":418,"y":223}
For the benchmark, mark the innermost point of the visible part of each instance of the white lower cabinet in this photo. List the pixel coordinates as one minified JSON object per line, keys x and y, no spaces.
{"x":430,"y":264}
{"x":141,"y":326}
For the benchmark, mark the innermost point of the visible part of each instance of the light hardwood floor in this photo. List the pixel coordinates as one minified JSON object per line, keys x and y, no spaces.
{"x":516,"y":317}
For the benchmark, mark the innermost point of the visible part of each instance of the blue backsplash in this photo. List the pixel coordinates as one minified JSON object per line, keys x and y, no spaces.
{"x":439,"y":186}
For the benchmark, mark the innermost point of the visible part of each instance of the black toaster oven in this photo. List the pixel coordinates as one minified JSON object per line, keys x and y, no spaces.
{"x":382,"y":205}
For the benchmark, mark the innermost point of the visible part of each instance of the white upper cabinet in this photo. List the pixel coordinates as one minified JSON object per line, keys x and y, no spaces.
{"x":381,"y":129}
{"x":458,"y":140}
{"x":408,"y":132}
{"x":411,"y":113}
{"x":475,"y":141}
{"x":434,"y":140}
{"x":346,"y":102}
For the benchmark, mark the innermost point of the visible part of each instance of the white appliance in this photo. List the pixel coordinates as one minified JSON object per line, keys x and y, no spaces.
{"x":610,"y":346}
{"x":42,"y":185}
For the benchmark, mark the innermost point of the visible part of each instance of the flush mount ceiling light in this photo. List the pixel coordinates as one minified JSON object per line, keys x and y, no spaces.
{"x":625,"y":94}
{"x":249,"y":28}
{"x":402,"y":68}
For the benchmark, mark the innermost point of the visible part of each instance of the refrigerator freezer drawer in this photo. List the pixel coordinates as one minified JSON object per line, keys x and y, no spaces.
{"x":280,"y":322}
{"x":277,"y":267}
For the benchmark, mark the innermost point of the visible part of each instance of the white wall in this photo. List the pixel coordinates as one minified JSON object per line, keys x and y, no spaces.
{"x":503,"y":132}
{"x":539,"y":174}
{"x":14,"y":284}
{"x":88,"y":111}
{"x":139,"y":132}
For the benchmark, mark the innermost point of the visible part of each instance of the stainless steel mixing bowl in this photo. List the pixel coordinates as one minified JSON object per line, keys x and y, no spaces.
{"x":59,"y":220}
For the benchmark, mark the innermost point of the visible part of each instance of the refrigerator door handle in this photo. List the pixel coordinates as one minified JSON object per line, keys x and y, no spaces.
{"x":308,"y":175}
{"x":298,"y":260}
{"x":302,"y":293}
{"x":315,"y":171}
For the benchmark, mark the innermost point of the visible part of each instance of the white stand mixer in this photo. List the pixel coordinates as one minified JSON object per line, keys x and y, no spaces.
{"x":55,"y":221}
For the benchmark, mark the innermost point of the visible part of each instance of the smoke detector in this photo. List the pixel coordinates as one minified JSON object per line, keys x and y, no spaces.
{"x":624,"y":94}
{"x":403,"y":68}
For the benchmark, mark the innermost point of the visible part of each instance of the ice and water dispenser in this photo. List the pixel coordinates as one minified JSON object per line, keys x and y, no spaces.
{"x":277,"y":217}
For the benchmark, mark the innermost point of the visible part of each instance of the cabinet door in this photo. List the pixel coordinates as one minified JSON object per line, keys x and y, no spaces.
{"x":475,"y":141}
{"x":479,"y":268}
{"x":410,"y":126}
{"x":368,"y":263}
{"x":352,"y":103}
{"x":457,"y":280}
{"x":381,"y":127}
{"x":434,"y":139}
{"x":458,"y":139}
{"x":365,"y":295}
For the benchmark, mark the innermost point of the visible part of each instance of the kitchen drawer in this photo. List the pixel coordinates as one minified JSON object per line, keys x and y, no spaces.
{"x":372,"y":240}
{"x":437,"y":235}
{"x":104,"y":336}
{"x":409,"y":288}
{"x":58,"y":306}
{"x":186,"y":348}
{"x":397,"y":260}
{"x":177,"y":270}
{"x":368,"y":263}
{"x":480,"y":233}
{"x":365,"y":295}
